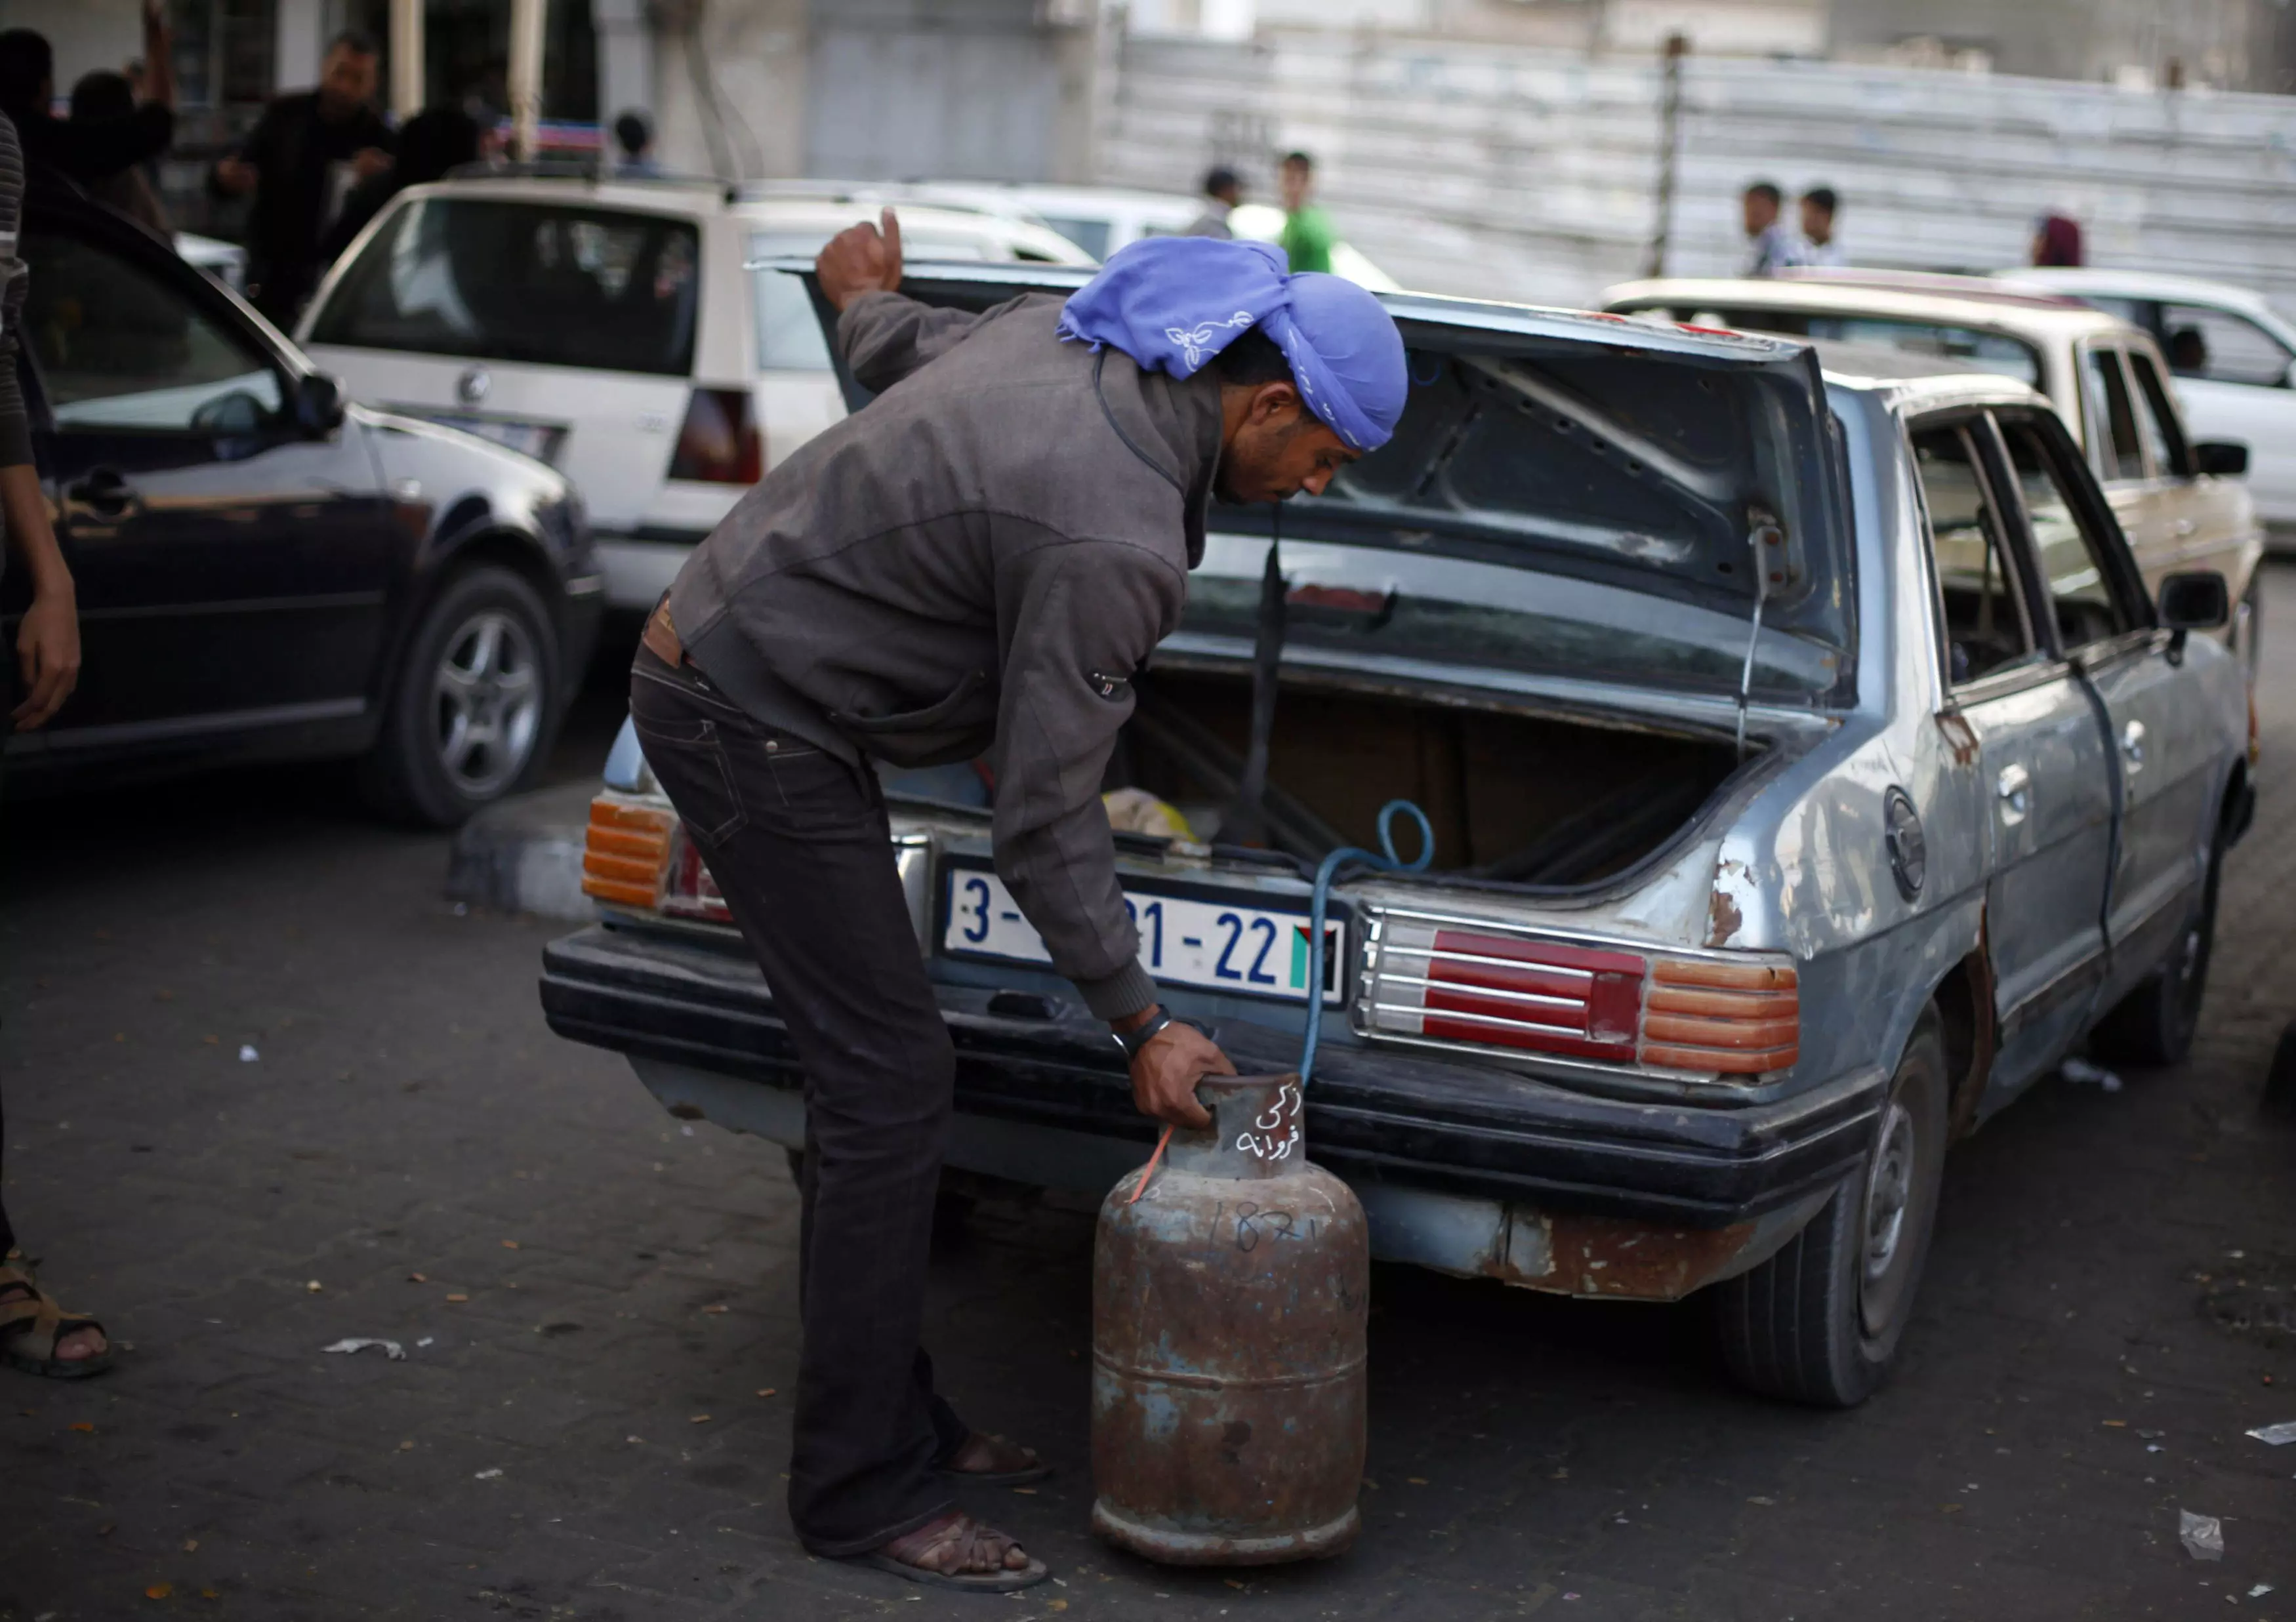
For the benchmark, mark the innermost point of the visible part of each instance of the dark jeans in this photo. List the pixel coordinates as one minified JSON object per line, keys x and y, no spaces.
{"x":799,"y":843}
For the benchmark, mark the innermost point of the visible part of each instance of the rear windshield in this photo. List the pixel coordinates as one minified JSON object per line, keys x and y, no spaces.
{"x":1574,"y":514}
{"x":1979,"y":350}
{"x":543,"y":282}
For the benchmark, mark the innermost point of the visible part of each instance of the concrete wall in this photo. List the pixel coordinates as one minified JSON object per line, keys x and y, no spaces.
{"x":1531,"y":175}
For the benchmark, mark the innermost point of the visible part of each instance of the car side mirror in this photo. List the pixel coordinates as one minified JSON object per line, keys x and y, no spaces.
{"x":2221,"y":460}
{"x":2196,"y":600}
{"x":318,"y":405}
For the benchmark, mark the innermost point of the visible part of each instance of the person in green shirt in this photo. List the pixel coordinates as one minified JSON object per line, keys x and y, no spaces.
{"x":1308,"y":234}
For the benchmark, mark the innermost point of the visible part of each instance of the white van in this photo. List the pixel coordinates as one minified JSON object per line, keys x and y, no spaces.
{"x":611,"y":328}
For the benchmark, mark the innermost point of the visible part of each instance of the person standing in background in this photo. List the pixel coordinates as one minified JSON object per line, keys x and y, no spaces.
{"x":2057,"y":242}
{"x":1222,"y":192}
{"x":289,"y":160}
{"x":1771,"y":247}
{"x":432,"y":146}
{"x":1818,"y":207}
{"x":35,"y":1335}
{"x":1308,"y":234}
{"x":88,"y":152}
{"x":104,"y":97}
{"x":634,"y":134}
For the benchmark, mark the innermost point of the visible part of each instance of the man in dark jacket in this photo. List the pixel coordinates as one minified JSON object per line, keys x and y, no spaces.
{"x":289,"y":161}
{"x":90,"y":152}
{"x":978,"y":561}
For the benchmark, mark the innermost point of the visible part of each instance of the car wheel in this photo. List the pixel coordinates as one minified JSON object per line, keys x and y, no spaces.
{"x":474,"y":706}
{"x":2154,"y":1024}
{"x":1819,"y":1321}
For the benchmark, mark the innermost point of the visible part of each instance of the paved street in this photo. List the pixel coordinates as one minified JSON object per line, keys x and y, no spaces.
{"x":267,"y":1090}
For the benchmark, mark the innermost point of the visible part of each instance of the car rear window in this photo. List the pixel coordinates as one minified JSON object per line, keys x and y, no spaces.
{"x":600,"y":288}
{"x":789,"y":333}
{"x":1979,"y":350}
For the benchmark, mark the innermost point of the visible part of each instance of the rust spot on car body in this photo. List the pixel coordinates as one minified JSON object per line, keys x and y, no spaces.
{"x":1960,"y":737}
{"x":1619,"y":1258}
{"x":1723,"y":919}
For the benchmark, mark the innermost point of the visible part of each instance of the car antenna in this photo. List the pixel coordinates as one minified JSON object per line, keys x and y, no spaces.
{"x":1761,"y":531}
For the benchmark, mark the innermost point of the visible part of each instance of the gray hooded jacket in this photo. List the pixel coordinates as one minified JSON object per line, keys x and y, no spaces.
{"x":978,"y":561}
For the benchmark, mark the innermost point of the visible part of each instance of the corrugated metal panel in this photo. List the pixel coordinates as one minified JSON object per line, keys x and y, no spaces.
{"x":1516,"y":174}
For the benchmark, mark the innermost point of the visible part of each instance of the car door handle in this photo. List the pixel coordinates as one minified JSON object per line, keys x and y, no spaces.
{"x":2132,"y":746}
{"x":104,"y":492}
{"x":2015,"y":787}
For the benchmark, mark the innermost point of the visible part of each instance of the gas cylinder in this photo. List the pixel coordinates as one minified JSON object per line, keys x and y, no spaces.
{"x":1228,"y":1309}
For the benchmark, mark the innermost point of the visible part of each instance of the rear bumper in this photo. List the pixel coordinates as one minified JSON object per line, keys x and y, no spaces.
{"x":1581,"y":1171}
{"x":639,"y":565}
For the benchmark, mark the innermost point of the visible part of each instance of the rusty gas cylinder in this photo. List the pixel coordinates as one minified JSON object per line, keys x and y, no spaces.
{"x":1228,"y":1306}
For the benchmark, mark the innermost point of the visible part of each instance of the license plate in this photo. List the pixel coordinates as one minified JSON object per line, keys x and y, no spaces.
{"x":1202,"y":940}
{"x":539,"y":440}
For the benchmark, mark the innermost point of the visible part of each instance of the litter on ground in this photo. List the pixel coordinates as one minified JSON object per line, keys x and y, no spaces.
{"x":2080,"y":1072}
{"x":2203,"y":1536}
{"x":2279,"y":1436}
{"x":360,"y":1343}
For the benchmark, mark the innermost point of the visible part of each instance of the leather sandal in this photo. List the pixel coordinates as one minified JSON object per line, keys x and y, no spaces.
{"x":956,"y":1550}
{"x":996,"y":1462}
{"x":32,"y":1324}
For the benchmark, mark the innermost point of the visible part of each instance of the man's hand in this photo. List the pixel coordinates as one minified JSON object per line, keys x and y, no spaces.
{"x":47,"y":656}
{"x":369,"y":161}
{"x":1164,"y":1074}
{"x":861,"y":259}
{"x":234,"y":174}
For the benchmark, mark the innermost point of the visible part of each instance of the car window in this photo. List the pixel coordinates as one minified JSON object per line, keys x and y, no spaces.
{"x":2156,"y":419}
{"x":789,"y":333}
{"x":1985,"y":624}
{"x":1090,"y":235}
{"x":2075,"y":566}
{"x":119,"y":346}
{"x":539,"y":283}
{"x":2113,"y":446}
{"x":2219,"y":347}
{"x":1981,"y":351}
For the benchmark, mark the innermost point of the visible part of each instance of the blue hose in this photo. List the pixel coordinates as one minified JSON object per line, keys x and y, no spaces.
{"x":1386,"y":861}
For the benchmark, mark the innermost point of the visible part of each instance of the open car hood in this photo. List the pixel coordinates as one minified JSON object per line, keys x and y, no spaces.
{"x":1682,"y":489}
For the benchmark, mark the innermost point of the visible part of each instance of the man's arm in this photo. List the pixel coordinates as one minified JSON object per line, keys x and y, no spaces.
{"x":1089,"y":616}
{"x":236,"y":174}
{"x":881,"y":336}
{"x":48,"y":641}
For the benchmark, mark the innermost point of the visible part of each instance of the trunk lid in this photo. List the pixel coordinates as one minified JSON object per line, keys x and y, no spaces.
{"x":1568,"y":496}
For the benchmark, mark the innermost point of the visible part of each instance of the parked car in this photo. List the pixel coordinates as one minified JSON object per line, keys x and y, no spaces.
{"x":615,"y":330}
{"x":265,"y":572}
{"x":1102,"y":220}
{"x":2233,"y":356}
{"x":2182,"y":503}
{"x":1809,"y":770}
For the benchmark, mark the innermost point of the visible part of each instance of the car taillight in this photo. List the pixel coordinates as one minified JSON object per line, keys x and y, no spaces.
{"x":1739,"y":1017}
{"x":688,"y":891}
{"x":719,"y":443}
{"x":624,"y":851}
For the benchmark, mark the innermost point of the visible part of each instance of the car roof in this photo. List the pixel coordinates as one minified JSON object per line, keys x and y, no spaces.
{"x":2041,"y":318}
{"x":700,"y":199}
{"x":2085,"y":281}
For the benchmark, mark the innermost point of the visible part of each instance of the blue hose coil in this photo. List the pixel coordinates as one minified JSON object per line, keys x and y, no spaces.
{"x":1386,"y":861}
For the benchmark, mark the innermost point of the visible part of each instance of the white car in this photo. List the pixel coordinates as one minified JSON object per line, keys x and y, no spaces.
{"x":2180,"y":500}
{"x":2235,"y":359}
{"x":615,"y":330}
{"x":1102,"y":220}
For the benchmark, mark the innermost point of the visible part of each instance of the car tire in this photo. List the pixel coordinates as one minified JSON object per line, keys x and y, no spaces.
{"x":2156,"y":1023}
{"x":1820,"y":1322}
{"x":474,"y":705}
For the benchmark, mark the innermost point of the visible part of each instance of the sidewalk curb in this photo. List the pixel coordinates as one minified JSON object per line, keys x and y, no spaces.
{"x":524,"y":855}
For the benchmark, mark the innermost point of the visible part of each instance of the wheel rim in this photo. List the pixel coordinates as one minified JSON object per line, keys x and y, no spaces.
{"x":486,"y":701}
{"x":1888,"y":1208}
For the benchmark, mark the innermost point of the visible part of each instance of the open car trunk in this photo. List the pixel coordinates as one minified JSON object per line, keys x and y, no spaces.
{"x":1515,"y":797}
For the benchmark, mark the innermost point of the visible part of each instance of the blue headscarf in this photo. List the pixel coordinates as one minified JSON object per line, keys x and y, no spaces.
{"x":1173,"y":303}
